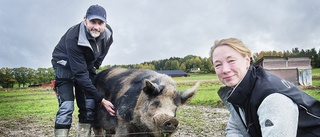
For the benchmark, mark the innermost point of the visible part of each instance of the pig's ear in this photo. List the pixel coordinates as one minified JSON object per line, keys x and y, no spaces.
{"x":151,"y":88}
{"x":185,"y":95}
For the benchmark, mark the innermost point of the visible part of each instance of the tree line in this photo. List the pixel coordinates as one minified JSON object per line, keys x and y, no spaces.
{"x":24,"y":77}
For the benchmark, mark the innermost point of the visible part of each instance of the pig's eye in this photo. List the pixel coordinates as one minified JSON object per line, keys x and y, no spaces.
{"x":156,"y":104}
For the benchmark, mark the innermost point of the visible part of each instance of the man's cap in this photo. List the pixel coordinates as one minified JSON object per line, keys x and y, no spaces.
{"x":96,"y":12}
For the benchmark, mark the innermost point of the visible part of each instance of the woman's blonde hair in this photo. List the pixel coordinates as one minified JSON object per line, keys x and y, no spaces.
{"x":234,"y":43}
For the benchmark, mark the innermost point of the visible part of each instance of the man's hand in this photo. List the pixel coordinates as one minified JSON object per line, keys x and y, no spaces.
{"x":109,"y":107}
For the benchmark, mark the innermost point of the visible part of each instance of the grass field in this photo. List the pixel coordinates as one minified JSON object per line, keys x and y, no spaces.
{"x":24,"y":103}
{"x":18,"y":103}
{"x":40,"y":104}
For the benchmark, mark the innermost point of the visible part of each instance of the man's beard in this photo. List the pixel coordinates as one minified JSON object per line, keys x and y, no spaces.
{"x":94,"y":34}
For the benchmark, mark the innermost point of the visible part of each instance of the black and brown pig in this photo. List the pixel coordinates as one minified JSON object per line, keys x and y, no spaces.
{"x":145,"y":102}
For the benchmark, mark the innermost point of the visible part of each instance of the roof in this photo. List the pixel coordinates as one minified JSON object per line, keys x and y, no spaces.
{"x":174,"y":73}
{"x":278,"y":57}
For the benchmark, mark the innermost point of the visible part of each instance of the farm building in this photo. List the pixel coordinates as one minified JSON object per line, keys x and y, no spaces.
{"x":174,"y":73}
{"x":296,"y":70}
{"x":194,"y":69}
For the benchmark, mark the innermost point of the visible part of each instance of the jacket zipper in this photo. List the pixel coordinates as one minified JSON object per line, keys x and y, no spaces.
{"x":313,"y":115}
{"x":97,"y":47}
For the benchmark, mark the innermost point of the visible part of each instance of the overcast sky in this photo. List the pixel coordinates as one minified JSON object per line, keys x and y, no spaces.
{"x":147,"y":30}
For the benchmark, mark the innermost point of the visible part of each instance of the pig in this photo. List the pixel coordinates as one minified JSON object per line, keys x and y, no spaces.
{"x":145,"y":102}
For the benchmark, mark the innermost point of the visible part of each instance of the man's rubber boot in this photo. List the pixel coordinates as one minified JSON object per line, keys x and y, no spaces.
{"x":84,"y":130}
{"x":61,"y":132}
{"x":98,"y":131}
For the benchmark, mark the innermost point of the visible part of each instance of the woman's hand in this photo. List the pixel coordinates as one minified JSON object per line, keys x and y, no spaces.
{"x":109,"y":107}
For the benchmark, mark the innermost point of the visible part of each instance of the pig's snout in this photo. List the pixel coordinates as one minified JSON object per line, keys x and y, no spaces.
{"x":171,"y":125}
{"x":166,"y":123}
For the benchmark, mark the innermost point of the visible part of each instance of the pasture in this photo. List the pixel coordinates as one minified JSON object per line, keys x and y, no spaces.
{"x":31,"y":111}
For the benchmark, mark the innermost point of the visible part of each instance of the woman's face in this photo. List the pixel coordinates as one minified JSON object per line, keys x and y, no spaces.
{"x":230,"y":65}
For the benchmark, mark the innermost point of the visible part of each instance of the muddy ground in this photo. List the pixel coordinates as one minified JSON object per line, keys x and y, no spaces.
{"x":195,"y":121}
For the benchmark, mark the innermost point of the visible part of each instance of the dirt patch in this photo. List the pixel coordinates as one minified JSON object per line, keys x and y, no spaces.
{"x":195,"y":121}
{"x":310,"y":87}
{"x":201,"y":121}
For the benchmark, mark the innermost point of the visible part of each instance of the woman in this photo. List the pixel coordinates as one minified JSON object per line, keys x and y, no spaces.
{"x":261,"y":104}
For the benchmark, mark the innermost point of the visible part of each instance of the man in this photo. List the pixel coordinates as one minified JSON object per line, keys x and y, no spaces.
{"x":75,"y":59}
